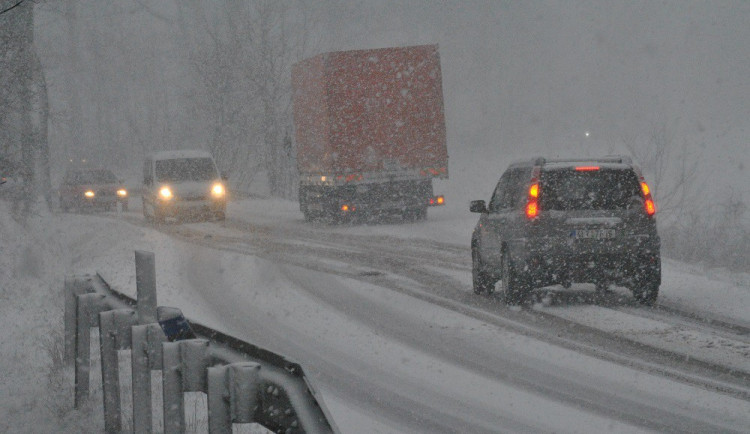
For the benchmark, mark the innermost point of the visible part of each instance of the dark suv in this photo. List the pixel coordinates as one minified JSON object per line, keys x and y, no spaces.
{"x":563,"y":221}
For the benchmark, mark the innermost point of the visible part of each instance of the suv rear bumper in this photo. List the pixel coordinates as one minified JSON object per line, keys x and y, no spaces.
{"x":626,"y":261}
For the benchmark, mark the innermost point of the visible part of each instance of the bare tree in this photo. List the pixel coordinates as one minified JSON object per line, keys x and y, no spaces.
{"x":670,"y":168}
{"x":24,"y":94}
{"x":241,"y":57}
{"x":281,"y":35}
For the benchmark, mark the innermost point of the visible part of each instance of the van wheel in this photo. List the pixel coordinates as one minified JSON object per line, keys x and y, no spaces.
{"x":515,"y":289}
{"x":149,"y":218}
{"x":481,"y":282}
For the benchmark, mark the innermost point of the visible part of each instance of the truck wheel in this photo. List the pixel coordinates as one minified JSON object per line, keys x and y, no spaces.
{"x":481,"y":282}
{"x":515,"y":289}
{"x":415,"y":214}
{"x":646,"y":293}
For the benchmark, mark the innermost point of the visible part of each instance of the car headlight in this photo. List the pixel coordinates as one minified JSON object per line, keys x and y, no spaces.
{"x":217,"y":190}
{"x":165,"y":193}
{"x":122,"y":192}
{"x":89,"y":193}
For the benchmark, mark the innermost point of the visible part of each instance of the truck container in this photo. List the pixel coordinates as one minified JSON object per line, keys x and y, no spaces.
{"x":369,"y":132}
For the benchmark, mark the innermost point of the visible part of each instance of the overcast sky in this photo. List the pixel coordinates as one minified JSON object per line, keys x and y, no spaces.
{"x":520,"y":78}
{"x":531,"y":77}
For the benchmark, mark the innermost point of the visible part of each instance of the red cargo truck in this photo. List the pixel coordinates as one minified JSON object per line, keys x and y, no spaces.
{"x":369,"y":131}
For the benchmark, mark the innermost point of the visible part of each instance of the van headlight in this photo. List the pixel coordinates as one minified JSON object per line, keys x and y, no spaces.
{"x":89,"y":193}
{"x":165,"y":193}
{"x":122,"y":192}
{"x":217,"y":190}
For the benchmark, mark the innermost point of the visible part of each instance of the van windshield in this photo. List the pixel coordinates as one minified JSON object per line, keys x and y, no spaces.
{"x":185,"y":169}
{"x":92,"y":177}
{"x":588,"y":190}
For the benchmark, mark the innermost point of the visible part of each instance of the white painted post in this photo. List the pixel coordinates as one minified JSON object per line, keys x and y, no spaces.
{"x":185,"y":365}
{"x":232,"y":395}
{"x":114,"y":335}
{"x":146,"y":355}
{"x":145,"y":281}
{"x":74,"y":285}
{"x":244,"y":387}
{"x":219,"y":411}
{"x":87,"y":308}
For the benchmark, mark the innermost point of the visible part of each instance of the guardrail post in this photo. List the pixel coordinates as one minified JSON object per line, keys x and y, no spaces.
{"x":146,"y":355}
{"x":145,"y":281}
{"x":74,"y":285}
{"x":114,"y":335}
{"x":232,"y":395}
{"x":273,"y":397}
{"x":184,"y":369}
{"x":88,"y":307}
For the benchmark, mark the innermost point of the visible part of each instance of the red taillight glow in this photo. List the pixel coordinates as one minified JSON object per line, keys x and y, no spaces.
{"x":532,"y":209}
{"x":648,"y":201}
{"x":534,"y":190}
{"x":532,"y":205}
{"x":650,"y":207}
{"x":435,"y":201}
{"x":587,"y":168}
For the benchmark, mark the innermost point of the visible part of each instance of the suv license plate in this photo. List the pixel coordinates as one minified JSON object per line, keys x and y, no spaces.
{"x":596,"y":234}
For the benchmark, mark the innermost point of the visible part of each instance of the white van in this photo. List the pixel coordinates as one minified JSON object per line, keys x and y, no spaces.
{"x":181,"y":184}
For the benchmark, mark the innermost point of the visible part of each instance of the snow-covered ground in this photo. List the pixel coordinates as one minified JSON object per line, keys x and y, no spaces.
{"x":36,"y":390}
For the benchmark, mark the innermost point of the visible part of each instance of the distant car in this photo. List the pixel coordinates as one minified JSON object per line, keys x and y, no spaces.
{"x":564,"y":221}
{"x":183,"y":184}
{"x":91,"y":188}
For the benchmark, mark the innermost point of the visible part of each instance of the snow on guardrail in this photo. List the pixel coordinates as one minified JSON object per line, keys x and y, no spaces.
{"x":244,"y":383}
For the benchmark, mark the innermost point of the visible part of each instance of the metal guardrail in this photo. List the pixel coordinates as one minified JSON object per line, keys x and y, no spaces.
{"x":244,"y":383}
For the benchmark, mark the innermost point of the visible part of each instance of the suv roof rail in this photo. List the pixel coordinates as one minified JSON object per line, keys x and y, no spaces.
{"x":626,"y":159}
{"x":623,"y":159}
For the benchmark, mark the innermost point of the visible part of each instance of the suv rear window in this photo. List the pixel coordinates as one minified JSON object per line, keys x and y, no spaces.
{"x":604,"y":189}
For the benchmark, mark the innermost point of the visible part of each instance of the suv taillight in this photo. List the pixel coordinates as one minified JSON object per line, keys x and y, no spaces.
{"x":532,"y":204}
{"x":648,"y":200}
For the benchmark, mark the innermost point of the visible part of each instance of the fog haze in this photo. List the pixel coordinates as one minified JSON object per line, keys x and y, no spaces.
{"x":528,"y":78}
{"x":520,"y":78}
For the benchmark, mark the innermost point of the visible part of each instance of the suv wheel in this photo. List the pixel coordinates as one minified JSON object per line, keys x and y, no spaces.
{"x":480,"y":280}
{"x":515,"y":289}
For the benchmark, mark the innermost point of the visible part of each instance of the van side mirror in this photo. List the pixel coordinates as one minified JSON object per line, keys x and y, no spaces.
{"x":224,"y":176}
{"x":478,"y":206}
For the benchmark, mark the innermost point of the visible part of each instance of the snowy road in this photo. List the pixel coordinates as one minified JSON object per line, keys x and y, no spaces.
{"x":384,"y":319}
